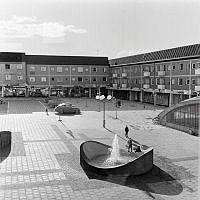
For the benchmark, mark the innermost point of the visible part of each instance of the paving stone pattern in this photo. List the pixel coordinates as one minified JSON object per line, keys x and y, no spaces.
{"x":44,"y":158}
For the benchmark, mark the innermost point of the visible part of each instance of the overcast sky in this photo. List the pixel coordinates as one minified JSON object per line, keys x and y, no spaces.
{"x":112,"y":28}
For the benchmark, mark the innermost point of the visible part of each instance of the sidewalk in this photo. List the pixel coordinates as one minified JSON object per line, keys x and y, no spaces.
{"x":44,"y":158}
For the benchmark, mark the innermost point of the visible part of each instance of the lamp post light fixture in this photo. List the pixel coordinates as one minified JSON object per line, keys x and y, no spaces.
{"x":103,"y":99}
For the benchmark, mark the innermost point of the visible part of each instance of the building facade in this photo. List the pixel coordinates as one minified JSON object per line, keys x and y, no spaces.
{"x":66,"y":75}
{"x":164,"y":77}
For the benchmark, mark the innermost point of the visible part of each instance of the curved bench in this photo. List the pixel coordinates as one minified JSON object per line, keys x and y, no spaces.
{"x":5,"y":144}
{"x":142,"y":161}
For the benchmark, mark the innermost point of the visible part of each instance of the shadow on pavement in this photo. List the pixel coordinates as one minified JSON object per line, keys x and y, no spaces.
{"x":155,"y":181}
{"x":5,"y":144}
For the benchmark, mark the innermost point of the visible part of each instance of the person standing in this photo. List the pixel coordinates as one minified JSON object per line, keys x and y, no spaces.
{"x":126,"y":131}
{"x":130,"y":145}
{"x":46,"y":109}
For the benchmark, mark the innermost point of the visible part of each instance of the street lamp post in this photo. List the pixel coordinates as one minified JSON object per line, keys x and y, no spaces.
{"x":103,"y":100}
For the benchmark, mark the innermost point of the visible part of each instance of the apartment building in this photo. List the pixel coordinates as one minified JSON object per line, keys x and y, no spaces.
{"x":164,"y":77}
{"x":66,"y":75}
{"x":12,"y":73}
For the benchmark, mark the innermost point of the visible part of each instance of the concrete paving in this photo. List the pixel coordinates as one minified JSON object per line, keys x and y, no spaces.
{"x":44,"y":158}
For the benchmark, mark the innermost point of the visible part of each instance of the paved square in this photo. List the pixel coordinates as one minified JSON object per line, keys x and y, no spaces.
{"x":44,"y":158}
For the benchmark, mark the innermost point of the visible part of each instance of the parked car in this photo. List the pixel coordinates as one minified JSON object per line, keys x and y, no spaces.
{"x":67,"y":108}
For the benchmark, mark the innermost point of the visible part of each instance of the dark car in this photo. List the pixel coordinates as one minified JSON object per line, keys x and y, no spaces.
{"x":67,"y":108}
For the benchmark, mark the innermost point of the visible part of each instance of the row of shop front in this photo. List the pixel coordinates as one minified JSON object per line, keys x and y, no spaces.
{"x":159,"y":97}
{"x":42,"y":91}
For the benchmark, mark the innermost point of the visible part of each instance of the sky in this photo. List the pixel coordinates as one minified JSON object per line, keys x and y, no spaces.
{"x":112,"y":28}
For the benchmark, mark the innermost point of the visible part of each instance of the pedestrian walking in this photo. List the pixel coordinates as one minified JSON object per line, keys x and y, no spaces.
{"x":46,"y":109}
{"x":130,"y":145}
{"x":126,"y":131}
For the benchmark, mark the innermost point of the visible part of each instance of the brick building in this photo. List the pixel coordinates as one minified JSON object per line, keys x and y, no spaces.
{"x":162,"y":77}
{"x":67,"y":75}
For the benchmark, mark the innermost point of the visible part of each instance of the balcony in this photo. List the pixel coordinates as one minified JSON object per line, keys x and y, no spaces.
{"x":161,"y":87}
{"x":146,"y":86}
{"x":114,"y":75}
{"x":161,"y":73}
{"x":124,"y":86}
{"x":197,"y":71}
{"x":146,"y":73}
{"x":197,"y":88}
{"x":124,"y":75}
{"x":114,"y":85}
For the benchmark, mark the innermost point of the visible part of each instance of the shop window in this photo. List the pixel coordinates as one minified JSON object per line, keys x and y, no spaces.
{"x":7,"y":66}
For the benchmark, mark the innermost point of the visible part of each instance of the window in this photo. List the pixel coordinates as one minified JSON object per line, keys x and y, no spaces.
{"x":86,"y":69}
{"x":66,"y":68}
{"x":80,"y":79}
{"x":43,"y":69}
{"x":135,"y":69}
{"x":43,"y":79}
{"x":59,"y":69}
{"x":8,"y":77}
{"x":152,"y":81}
{"x":174,"y":67}
{"x":73,"y":79}
{"x":73,"y":69}
{"x":193,"y":66}
{"x":80,"y":69}
{"x":162,"y":81}
{"x":187,"y":81}
{"x":193,"y":81}
{"x":19,"y":66}
{"x":52,"y":79}
{"x":32,"y":68}
{"x":94,"y":69}
{"x":94,"y":79}
{"x":169,"y":67}
{"x":104,"y":78}
{"x":32,"y":79}
{"x":59,"y":79}
{"x":66,"y":79}
{"x":180,"y":81}
{"x":7,"y":66}
{"x":20,"y":77}
{"x":157,"y":81}
{"x":158,"y":67}
{"x":152,"y":68}
{"x":52,"y":68}
{"x":173,"y":81}
{"x":181,"y":66}
{"x":104,"y":70}
{"x":162,"y":68}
